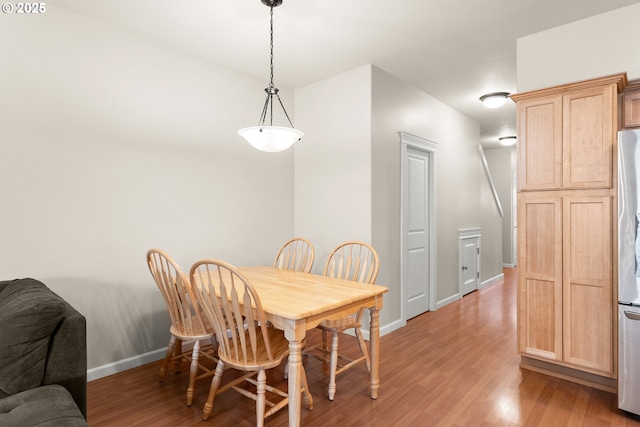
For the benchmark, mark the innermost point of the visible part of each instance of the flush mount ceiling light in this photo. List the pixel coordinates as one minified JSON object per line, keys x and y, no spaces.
{"x":495,"y":99}
{"x":507,"y":140}
{"x":269,"y":138}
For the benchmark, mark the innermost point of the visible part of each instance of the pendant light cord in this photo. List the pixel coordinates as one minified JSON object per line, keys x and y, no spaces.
{"x":271,"y":87}
{"x":271,"y":90}
{"x":271,"y":55}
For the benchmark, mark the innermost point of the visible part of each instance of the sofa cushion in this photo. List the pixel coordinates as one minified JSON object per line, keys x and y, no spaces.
{"x":47,"y":406}
{"x":29,"y":313}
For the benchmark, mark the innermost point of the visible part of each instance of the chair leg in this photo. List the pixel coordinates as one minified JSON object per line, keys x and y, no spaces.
{"x":286,"y":370}
{"x":334,"y":365}
{"x":308,"y":399}
{"x":177,"y":361}
{"x":215,"y":383}
{"x":261,"y":397}
{"x":363,"y":348}
{"x":193,"y":371}
{"x":167,"y":358}
{"x":325,"y":347}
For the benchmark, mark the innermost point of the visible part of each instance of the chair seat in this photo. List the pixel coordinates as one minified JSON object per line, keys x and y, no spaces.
{"x":191,"y":332}
{"x":279,"y":348}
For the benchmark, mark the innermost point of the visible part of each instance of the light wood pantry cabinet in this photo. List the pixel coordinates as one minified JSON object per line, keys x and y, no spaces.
{"x":567,"y":230}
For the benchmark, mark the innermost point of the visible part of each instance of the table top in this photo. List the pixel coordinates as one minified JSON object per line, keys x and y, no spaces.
{"x":294,"y":295}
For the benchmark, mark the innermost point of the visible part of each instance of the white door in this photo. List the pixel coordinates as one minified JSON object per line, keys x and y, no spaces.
{"x":469,"y":260}
{"x":416,"y":229}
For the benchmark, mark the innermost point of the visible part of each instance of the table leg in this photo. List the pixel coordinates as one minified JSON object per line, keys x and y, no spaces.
{"x":295,"y":371}
{"x":374,"y":338}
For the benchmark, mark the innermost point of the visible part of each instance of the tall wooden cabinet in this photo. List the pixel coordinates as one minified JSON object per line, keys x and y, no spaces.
{"x":567,"y":205}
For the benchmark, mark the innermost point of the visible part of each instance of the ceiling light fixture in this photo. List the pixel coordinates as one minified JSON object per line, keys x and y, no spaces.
{"x":495,"y":99}
{"x":507,"y":140}
{"x":269,"y":138}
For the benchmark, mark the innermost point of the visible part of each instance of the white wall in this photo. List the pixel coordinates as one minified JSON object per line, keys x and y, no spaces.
{"x":491,"y":223}
{"x":347,"y":178}
{"x":598,"y":46}
{"x":112,"y":144}
{"x":500,"y":164}
{"x":333,"y":162}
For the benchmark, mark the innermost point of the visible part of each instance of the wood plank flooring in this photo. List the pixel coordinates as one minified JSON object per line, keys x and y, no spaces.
{"x":457,"y":366}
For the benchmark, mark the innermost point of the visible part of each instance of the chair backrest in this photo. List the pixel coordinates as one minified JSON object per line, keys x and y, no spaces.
{"x":234,"y":309}
{"x":355,"y":261}
{"x":297,"y":254}
{"x":176,"y":290}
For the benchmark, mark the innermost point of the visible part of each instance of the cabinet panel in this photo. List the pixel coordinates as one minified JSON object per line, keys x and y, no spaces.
{"x":542,"y":333}
{"x":540,"y":143}
{"x":587,"y":282}
{"x":631,"y":107}
{"x":588,"y":135}
{"x":541,"y":231}
{"x":540,"y":275}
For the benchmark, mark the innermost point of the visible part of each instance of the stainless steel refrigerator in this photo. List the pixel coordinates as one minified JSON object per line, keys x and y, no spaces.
{"x":629,"y":271}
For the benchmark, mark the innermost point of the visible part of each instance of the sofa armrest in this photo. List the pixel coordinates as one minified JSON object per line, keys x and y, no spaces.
{"x":67,"y":359}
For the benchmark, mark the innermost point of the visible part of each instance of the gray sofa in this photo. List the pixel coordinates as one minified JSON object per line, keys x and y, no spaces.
{"x":43,"y":358}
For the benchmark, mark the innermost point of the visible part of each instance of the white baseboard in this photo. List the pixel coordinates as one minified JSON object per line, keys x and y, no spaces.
{"x":447,"y":301}
{"x":491,"y":281}
{"x":391,"y":327}
{"x":124,"y":364}
{"x":383,"y":330}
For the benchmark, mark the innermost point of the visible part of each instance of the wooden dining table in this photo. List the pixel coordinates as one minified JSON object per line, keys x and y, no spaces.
{"x":297,"y":302}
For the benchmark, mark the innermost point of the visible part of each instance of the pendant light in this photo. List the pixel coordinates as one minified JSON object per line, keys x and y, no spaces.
{"x":266,"y":137}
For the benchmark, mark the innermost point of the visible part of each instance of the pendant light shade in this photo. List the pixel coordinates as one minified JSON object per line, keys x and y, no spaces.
{"x":271,"y":139}
{"x":266,"y":137}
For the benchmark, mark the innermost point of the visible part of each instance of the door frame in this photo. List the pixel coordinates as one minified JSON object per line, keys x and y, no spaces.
{"x":417,"y":143}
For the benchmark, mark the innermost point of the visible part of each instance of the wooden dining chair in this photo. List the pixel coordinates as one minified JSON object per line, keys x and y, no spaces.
{"x":187,"y":323}
{"x":245,"y":340}
{"x":297,"y":254}
{"x":359,"y":262}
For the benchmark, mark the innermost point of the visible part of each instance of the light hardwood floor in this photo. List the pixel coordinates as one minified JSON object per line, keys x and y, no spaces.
{"x":456,"y":366}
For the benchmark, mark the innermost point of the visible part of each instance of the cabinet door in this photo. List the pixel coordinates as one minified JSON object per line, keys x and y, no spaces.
{"x":588,"y":258}
{"x":588,"y":135}
{"x":540,"y":275}
{"x":540,"y":143}
{"x":631,"y":107}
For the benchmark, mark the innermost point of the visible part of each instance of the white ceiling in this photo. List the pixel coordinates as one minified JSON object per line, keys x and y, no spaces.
{"x":454,"y":50}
